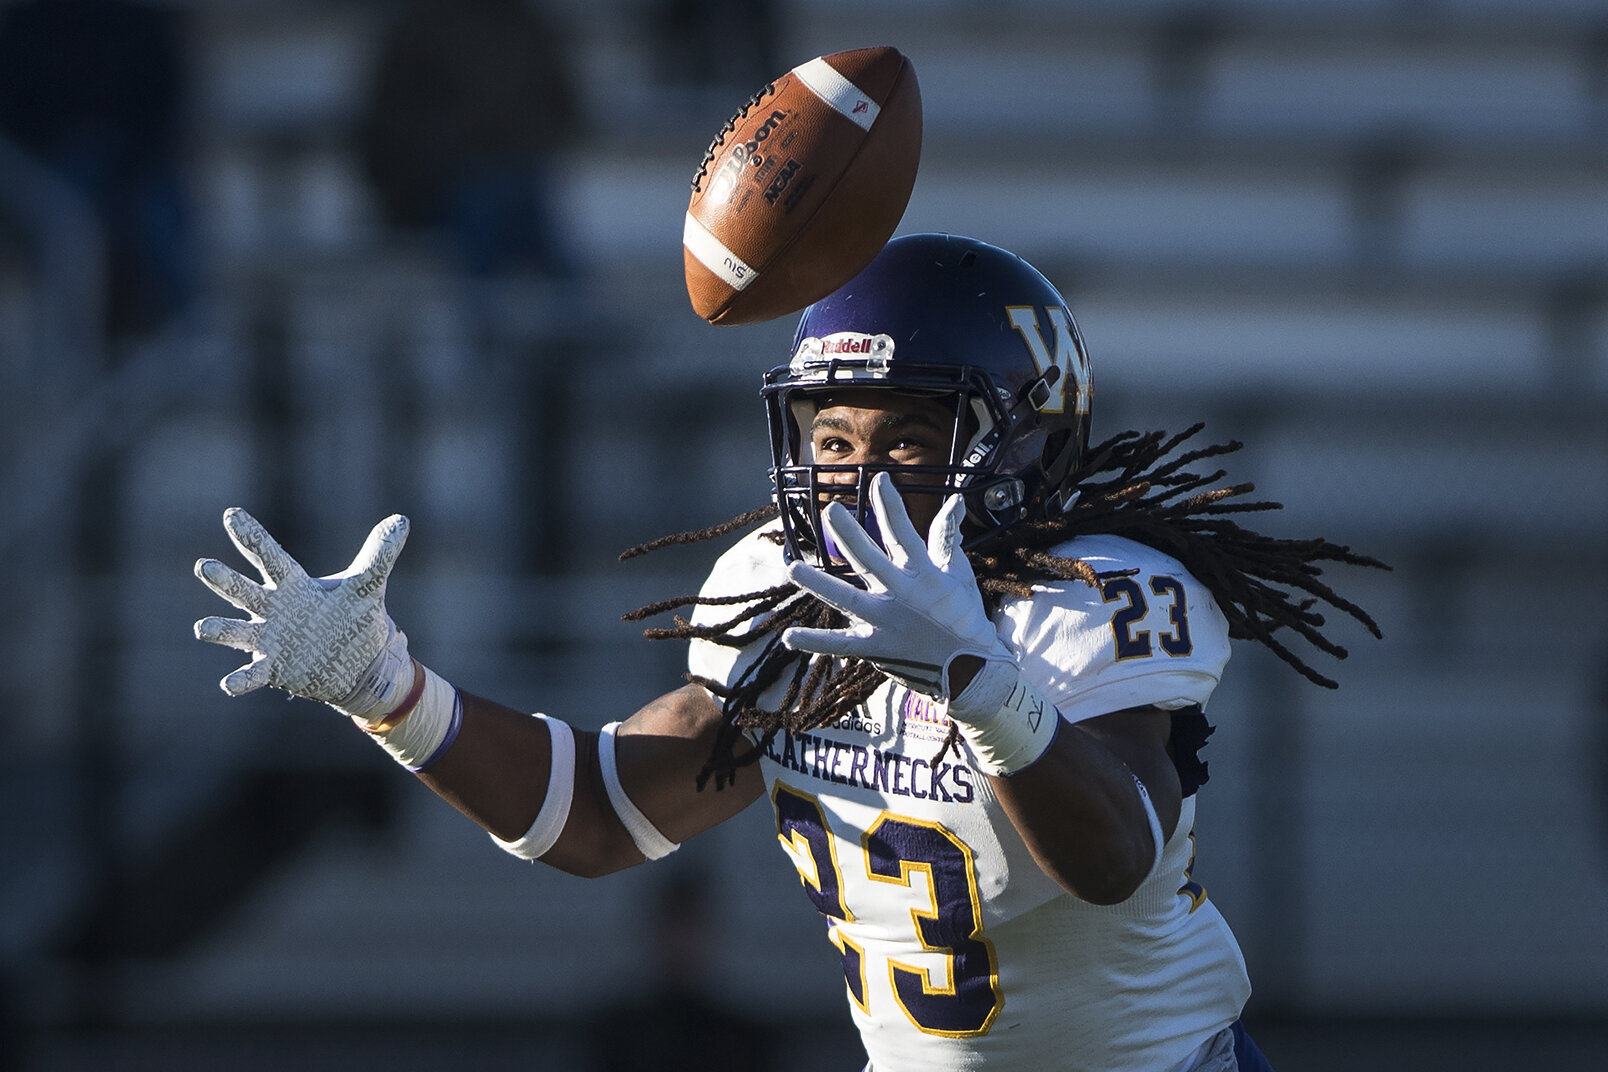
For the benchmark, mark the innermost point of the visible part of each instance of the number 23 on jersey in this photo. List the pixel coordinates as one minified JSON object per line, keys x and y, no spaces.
{"x":958,"y":998}
{"x":1133,"y":642}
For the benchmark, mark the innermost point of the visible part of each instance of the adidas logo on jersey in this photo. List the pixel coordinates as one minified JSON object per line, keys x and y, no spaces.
{"x":857,"y":722}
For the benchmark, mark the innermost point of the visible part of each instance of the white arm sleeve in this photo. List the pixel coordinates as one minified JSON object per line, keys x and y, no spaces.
{"x":649,"y":841}
{"x":556,"y":805}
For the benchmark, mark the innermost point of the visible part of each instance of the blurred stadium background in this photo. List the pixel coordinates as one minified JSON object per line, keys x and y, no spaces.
{"x":1368,"y":237}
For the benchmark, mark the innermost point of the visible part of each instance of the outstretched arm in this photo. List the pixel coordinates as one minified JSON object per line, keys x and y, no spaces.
{"x":1081,"y":795}
{"x":587,"y":803}
{"x":499,"y":773}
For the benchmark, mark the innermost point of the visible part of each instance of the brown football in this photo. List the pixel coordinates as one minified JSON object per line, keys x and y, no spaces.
{"x":803,"y":186}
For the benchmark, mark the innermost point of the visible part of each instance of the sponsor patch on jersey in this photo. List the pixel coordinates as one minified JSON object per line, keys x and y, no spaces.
{"x":924,"y":718}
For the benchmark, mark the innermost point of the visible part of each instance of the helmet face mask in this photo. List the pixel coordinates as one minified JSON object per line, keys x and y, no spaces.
{"x":956,"y":319}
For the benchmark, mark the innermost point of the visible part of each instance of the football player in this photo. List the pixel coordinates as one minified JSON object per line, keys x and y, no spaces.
{"x":963,"y":655}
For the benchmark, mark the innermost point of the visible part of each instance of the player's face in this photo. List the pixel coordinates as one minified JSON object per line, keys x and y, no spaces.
{"x":874,"y":427}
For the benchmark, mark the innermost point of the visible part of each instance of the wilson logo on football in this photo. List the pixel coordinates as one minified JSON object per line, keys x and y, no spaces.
{"x":744,"y":153}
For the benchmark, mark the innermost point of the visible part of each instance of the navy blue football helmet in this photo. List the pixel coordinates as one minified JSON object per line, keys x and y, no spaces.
{"x":953,"y":318}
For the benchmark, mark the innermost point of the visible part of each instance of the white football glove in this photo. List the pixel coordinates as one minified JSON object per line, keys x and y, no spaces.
{"x":920,"y":607}
{"x":323,"y":638}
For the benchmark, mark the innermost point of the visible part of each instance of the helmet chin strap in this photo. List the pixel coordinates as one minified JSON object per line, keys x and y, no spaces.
{"x":1037,"y":392}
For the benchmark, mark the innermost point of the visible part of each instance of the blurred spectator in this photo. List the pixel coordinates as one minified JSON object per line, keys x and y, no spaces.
{"x":677,"y":1025}
{"x":470,"y":102}
{"x":96,"y":91}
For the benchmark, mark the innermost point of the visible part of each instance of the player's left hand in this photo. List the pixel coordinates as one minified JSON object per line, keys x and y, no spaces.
{"x":920,"y":607}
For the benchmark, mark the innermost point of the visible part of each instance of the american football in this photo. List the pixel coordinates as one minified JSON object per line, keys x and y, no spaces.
{"x":803,"y":186}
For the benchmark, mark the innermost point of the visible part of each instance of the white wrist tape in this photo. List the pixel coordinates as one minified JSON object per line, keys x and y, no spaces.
{"x":385,"y":685}
{"x":424,"y":734}
{"x":649,"y":841}
{"x":1006,"y":720}
{"x":550,"y":820}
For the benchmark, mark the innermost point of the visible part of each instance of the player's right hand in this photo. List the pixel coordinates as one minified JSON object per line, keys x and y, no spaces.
{"x":323,"y":638}
{"x":920,"y":608}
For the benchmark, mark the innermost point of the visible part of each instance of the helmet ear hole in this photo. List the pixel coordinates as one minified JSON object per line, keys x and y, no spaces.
{"x":1052,"y":457}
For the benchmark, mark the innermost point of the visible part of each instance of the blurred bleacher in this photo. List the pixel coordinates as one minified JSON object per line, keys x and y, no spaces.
{"x":1367,"y":237}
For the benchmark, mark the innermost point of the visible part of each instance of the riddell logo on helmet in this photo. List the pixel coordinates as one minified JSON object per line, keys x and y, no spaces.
{"x":816,"y":356}
{"x":847,"y":343}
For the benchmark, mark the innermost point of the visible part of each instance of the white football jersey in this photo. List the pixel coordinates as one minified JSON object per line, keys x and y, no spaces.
{"x":957,"y":951}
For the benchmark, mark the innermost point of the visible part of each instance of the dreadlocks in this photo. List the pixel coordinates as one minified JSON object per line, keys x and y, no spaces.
{"x":1131,"y":485}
